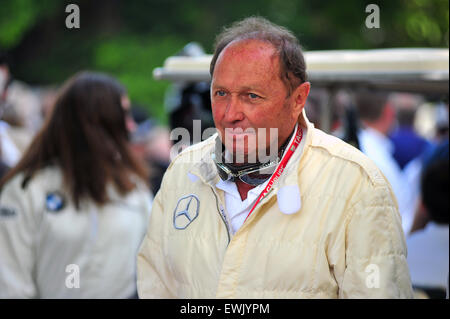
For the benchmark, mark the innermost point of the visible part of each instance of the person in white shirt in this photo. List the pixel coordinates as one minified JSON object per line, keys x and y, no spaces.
{"x":74,"y":210}
{"x":378,"y":116}
{"x":428,"y":248}
{"x":9,"y":154}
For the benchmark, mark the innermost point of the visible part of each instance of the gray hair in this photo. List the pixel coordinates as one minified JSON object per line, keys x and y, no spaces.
{"x":292,"y":62}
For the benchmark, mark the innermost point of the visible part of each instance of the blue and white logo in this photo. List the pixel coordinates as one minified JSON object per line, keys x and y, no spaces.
{"x":186,"y":211}
{"x":54,"y":202}
{"x":6,"y":211}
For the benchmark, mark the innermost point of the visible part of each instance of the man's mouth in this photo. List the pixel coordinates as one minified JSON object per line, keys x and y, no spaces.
{"x":239,"y":132}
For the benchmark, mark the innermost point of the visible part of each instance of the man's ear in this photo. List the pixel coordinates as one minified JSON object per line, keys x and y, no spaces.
{"x":300,"y":95}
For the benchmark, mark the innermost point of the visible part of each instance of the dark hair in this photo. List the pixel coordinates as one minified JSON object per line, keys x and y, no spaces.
{"x":406,"y":105}
{"x":370,"y":104}
{"x":405,"y":117}
{"x":435,"y":182}
{"x":292,"y":62}
{"x":86,"y":136}
{"x":3,"y":58}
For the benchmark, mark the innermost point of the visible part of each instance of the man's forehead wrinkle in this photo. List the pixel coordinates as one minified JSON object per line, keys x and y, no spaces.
{"x":253,"y":51}
{"x":248,"y":48}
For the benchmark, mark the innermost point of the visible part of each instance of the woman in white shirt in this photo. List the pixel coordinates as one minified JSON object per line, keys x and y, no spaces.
{"x":74,"y":210}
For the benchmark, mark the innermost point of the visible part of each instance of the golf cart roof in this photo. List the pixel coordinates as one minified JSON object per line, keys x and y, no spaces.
{"x":420,"y":70}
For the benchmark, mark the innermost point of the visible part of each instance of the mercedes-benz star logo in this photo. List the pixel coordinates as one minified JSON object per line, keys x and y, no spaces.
{"x":186,"y":211}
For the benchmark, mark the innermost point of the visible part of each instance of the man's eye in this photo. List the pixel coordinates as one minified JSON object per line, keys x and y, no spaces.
{"x":253,"y":96}
{"x":220,"y":93}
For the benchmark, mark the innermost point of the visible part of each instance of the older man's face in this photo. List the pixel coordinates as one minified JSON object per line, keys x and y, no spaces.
{"x":247,"y":94}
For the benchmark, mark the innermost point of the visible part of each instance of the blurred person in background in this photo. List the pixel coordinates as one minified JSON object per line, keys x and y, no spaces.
{"x":20,"y":115}
{"x":432,"y":121}
{"x":9,"y":153}
{"x":408,"y":144}
{"x":24,"y":108}
{"x":428,"y":248}
{"x":151,"y":143}
{"x":186,"y":102}
{"x":77,"y":203}
{"x":442,"y":122}
{"x":377,"y":116}
{"x":345,"y":122}
{"x":313,"y":109}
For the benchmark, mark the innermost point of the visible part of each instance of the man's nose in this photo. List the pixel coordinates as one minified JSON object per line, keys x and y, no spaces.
{"x":234,"y":111}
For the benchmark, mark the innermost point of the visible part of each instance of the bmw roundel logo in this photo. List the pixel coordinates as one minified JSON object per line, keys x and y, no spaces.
{"x":54,"y":202}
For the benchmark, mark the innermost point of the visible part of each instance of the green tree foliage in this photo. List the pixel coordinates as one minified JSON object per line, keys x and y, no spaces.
{"x":18,"y":16}
{"x":132,"y":59}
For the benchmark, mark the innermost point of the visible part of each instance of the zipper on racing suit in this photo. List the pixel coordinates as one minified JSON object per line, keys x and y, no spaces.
{"x":222,"y":214}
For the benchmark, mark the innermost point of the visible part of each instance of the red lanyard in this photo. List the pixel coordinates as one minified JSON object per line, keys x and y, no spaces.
{"x":290,"y":150}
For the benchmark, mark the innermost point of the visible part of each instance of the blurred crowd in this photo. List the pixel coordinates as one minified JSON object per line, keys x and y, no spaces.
{"x":405,"y":134}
